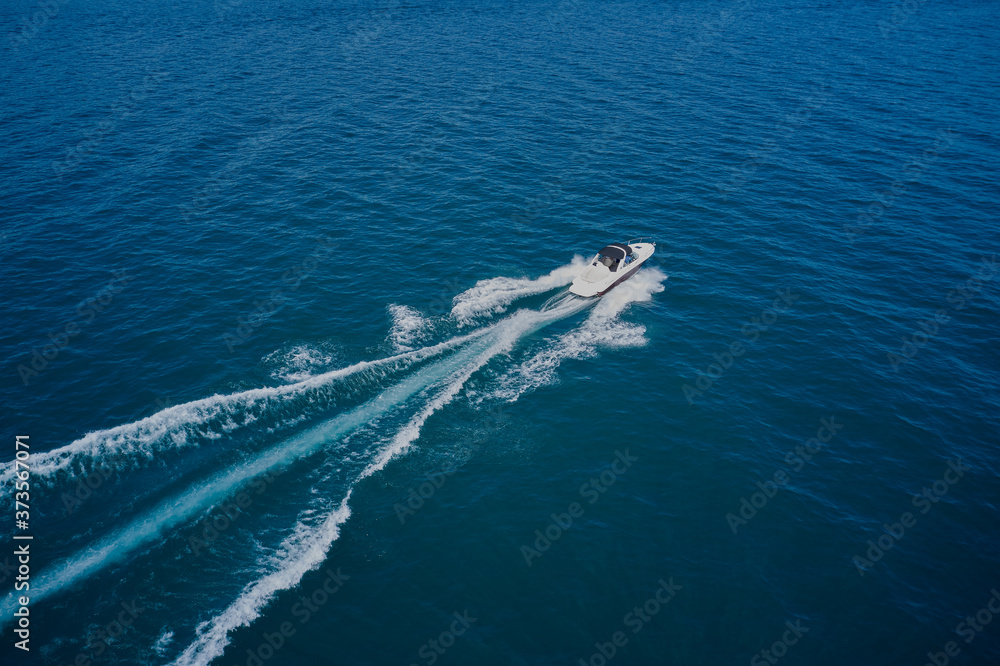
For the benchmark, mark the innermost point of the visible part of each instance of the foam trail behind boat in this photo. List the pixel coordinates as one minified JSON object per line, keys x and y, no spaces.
{"x":213,"y":635}
{"x":175,"y":511}
{"x":493,"y":296}
{"x":167,"y":428}
{"x":171,"y":427}
{"x":408,"y":327}
{"x":303,"y":551}
{"x":299,"y":362}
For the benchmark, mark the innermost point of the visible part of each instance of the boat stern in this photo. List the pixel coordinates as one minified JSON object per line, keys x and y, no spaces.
{"x":583,"y":288}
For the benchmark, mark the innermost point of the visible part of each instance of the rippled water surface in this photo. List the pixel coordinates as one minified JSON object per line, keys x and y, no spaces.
{"x":286,"y":322}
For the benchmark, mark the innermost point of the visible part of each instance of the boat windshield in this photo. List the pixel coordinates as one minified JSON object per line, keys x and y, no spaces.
{"x":611,"y":263}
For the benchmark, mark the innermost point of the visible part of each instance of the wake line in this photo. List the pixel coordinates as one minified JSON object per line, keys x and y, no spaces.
{"x":167,"y":423}
{"x":509,"y":336}
{"x":166,"y":428}
{"x":304,"y":553}
{"x":170,"y":513}
{"x":493,"y":296}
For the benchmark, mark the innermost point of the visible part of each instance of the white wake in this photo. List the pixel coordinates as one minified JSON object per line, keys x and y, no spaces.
{"x":317,"y":528}
{"x":172,"y":428}
{"x":495,"y":295}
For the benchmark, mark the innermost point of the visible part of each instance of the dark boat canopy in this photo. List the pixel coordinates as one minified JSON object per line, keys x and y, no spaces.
{"x":616,"y":251}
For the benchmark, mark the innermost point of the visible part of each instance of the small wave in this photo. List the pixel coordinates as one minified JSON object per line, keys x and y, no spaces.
{"x":408,"y":327}
{"x":493,"y":296}
{"x":163,"y":642}
{"x":299,"y":363}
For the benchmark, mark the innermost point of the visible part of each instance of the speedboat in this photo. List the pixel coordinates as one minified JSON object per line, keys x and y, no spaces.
{"x":612,"y":265}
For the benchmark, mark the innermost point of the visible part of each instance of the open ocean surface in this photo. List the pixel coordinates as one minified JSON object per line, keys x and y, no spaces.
{"x":284,"y":319}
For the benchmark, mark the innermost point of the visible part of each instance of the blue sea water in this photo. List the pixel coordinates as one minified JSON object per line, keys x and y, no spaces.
{"x":285,"y":322}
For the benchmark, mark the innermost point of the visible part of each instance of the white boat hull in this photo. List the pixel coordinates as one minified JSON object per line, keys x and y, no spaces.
{"x":596,"y":282}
